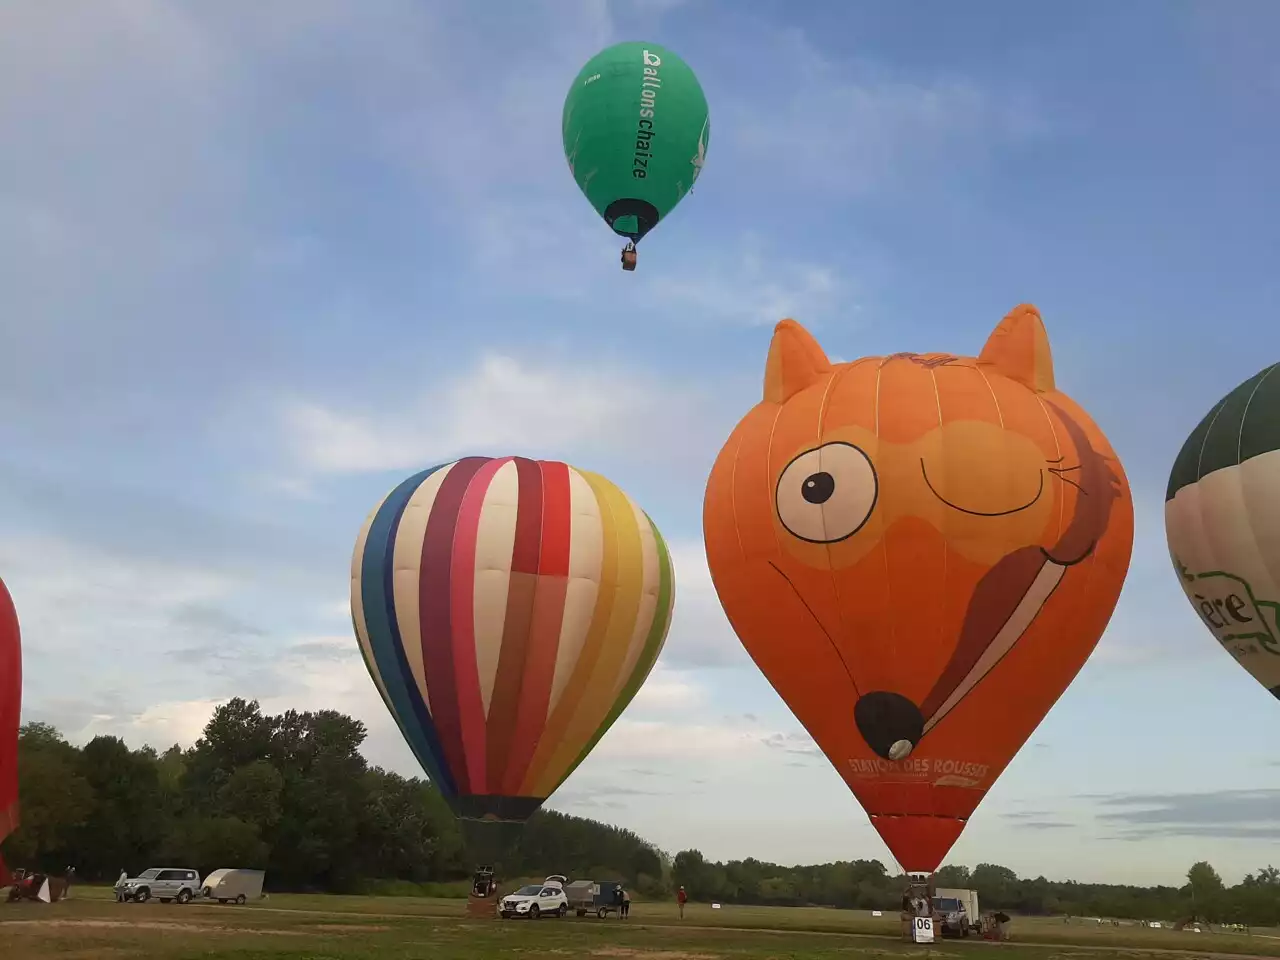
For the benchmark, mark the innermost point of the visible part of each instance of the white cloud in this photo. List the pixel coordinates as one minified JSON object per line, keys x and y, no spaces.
{"x":502,"y":406}
{"x":700,"y":633}
{"x":666,"y":689}
{"x":846,"y":129}
{"x":51,"y":574}
{"x":673,"y":740}
{"x":117,"y":643}
{"x":181,"y":722}
{"x":315,"y":673}
{"x":749,"y":286}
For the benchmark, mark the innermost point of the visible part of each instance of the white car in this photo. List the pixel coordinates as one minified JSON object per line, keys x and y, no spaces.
{"x":535,"y":901}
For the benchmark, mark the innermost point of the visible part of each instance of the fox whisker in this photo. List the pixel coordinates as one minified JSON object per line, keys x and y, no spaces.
{"x":1059,"y":475}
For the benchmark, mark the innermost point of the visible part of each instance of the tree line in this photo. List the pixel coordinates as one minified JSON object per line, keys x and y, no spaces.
{"x":292,"y":794}
{"x":867,"y":885}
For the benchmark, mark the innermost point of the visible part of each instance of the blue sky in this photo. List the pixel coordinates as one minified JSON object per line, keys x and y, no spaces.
{"x":258,"y":262}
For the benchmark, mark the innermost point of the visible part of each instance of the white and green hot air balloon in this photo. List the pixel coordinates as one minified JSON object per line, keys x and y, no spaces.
{"x":1222,"y":518}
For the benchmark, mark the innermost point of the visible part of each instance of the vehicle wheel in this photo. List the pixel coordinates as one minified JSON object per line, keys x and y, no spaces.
{"x":142,"y":896}
{"x":241,"y":899}
{"x":563,"y":911}
{"x":602,"y":912}
{"x":184,"y":896}
{"x":535,"y":913}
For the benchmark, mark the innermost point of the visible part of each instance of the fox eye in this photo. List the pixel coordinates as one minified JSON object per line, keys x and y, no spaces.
{"x":827,"y":494}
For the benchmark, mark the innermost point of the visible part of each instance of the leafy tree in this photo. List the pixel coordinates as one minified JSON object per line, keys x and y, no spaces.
{"x":953,"y":875}
{"x":291,"y":794}
{"x":994,"y":883}
{"x":1204,"y":880}
{"x":125,"y":820}
{"x":253,"y":793}
{"x":56,"y":799}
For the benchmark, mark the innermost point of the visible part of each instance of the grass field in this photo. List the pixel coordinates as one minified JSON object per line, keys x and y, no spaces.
{"x":293,"y":927}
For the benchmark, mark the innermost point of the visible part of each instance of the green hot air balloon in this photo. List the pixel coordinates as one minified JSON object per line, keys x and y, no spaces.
{"x":1222,"y":517}
{"x":636,"y":131}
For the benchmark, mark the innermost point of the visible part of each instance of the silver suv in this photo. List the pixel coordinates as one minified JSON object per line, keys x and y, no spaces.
{"x":163,"y":883}
{"x":950,"y":914}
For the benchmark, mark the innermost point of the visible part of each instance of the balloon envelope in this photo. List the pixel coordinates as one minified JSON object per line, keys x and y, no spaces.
{"x":508,"y":611}
{"x":919,"y":552}
{"x":636,"y":131}
{"x":10,"y":711}
{"x":1222,"y":520}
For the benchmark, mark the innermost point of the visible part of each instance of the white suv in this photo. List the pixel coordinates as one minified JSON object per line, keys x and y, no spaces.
{"x":163,"y":883}
{"x":536,"y":901}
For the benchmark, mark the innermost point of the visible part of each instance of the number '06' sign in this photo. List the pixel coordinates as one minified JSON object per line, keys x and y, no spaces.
{"x":922,"y":930}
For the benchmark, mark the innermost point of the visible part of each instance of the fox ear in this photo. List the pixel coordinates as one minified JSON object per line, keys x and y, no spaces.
{"x":795,"y":362}
{"x":1019,"y":349}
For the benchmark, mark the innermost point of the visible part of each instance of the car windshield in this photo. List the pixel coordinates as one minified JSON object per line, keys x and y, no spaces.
{"x":946,"y":904}
{"x":529,"y":891}
{"x":149,"y":874}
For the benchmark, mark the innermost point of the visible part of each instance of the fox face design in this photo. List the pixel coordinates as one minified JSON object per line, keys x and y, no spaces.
{"x":920,"y":552}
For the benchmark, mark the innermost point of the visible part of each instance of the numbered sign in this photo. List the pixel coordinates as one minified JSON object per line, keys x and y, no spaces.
{"x":922,"y":930}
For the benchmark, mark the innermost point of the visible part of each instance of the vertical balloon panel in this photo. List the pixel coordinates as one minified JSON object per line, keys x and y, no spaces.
{"x":10,"y":714}
{"x":507,"y":610}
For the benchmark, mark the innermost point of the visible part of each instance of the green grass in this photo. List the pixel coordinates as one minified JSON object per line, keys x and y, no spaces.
{"x":90,"y":926}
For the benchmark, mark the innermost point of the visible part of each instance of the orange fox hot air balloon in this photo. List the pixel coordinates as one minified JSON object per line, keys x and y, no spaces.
{"x":919,"y":552}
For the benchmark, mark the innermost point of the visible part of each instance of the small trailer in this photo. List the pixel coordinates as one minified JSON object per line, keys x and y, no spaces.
{"x":588,"y":896}
{"x":233,"y":886}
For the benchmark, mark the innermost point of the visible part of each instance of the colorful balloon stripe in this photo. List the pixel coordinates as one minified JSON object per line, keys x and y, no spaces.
{"x":508,"y":610}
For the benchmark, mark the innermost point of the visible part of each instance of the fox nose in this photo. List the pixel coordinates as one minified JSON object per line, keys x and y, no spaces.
{"x":890,"y":723}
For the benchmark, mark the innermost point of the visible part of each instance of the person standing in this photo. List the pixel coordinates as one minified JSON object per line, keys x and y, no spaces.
{"x":681,"y":899}
{"x":1002,"y":924}
{"x":119,"y":891}
{"x":626,"y":903}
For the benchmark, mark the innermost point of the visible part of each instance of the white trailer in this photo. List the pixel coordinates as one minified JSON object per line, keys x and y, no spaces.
{"x":234,"y":886}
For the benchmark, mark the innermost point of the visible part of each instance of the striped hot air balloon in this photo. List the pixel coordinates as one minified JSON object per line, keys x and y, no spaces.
{"x":1222,"y":518}
{"x":508,"y":610}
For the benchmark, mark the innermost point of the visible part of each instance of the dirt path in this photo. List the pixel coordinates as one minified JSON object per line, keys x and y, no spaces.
{"x":92,"y":923}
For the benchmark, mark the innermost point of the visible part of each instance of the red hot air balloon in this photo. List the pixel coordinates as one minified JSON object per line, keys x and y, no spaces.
{"x":10,"y":709}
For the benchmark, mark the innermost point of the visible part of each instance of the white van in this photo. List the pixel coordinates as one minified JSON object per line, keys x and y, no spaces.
{"x":234,"y":886}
